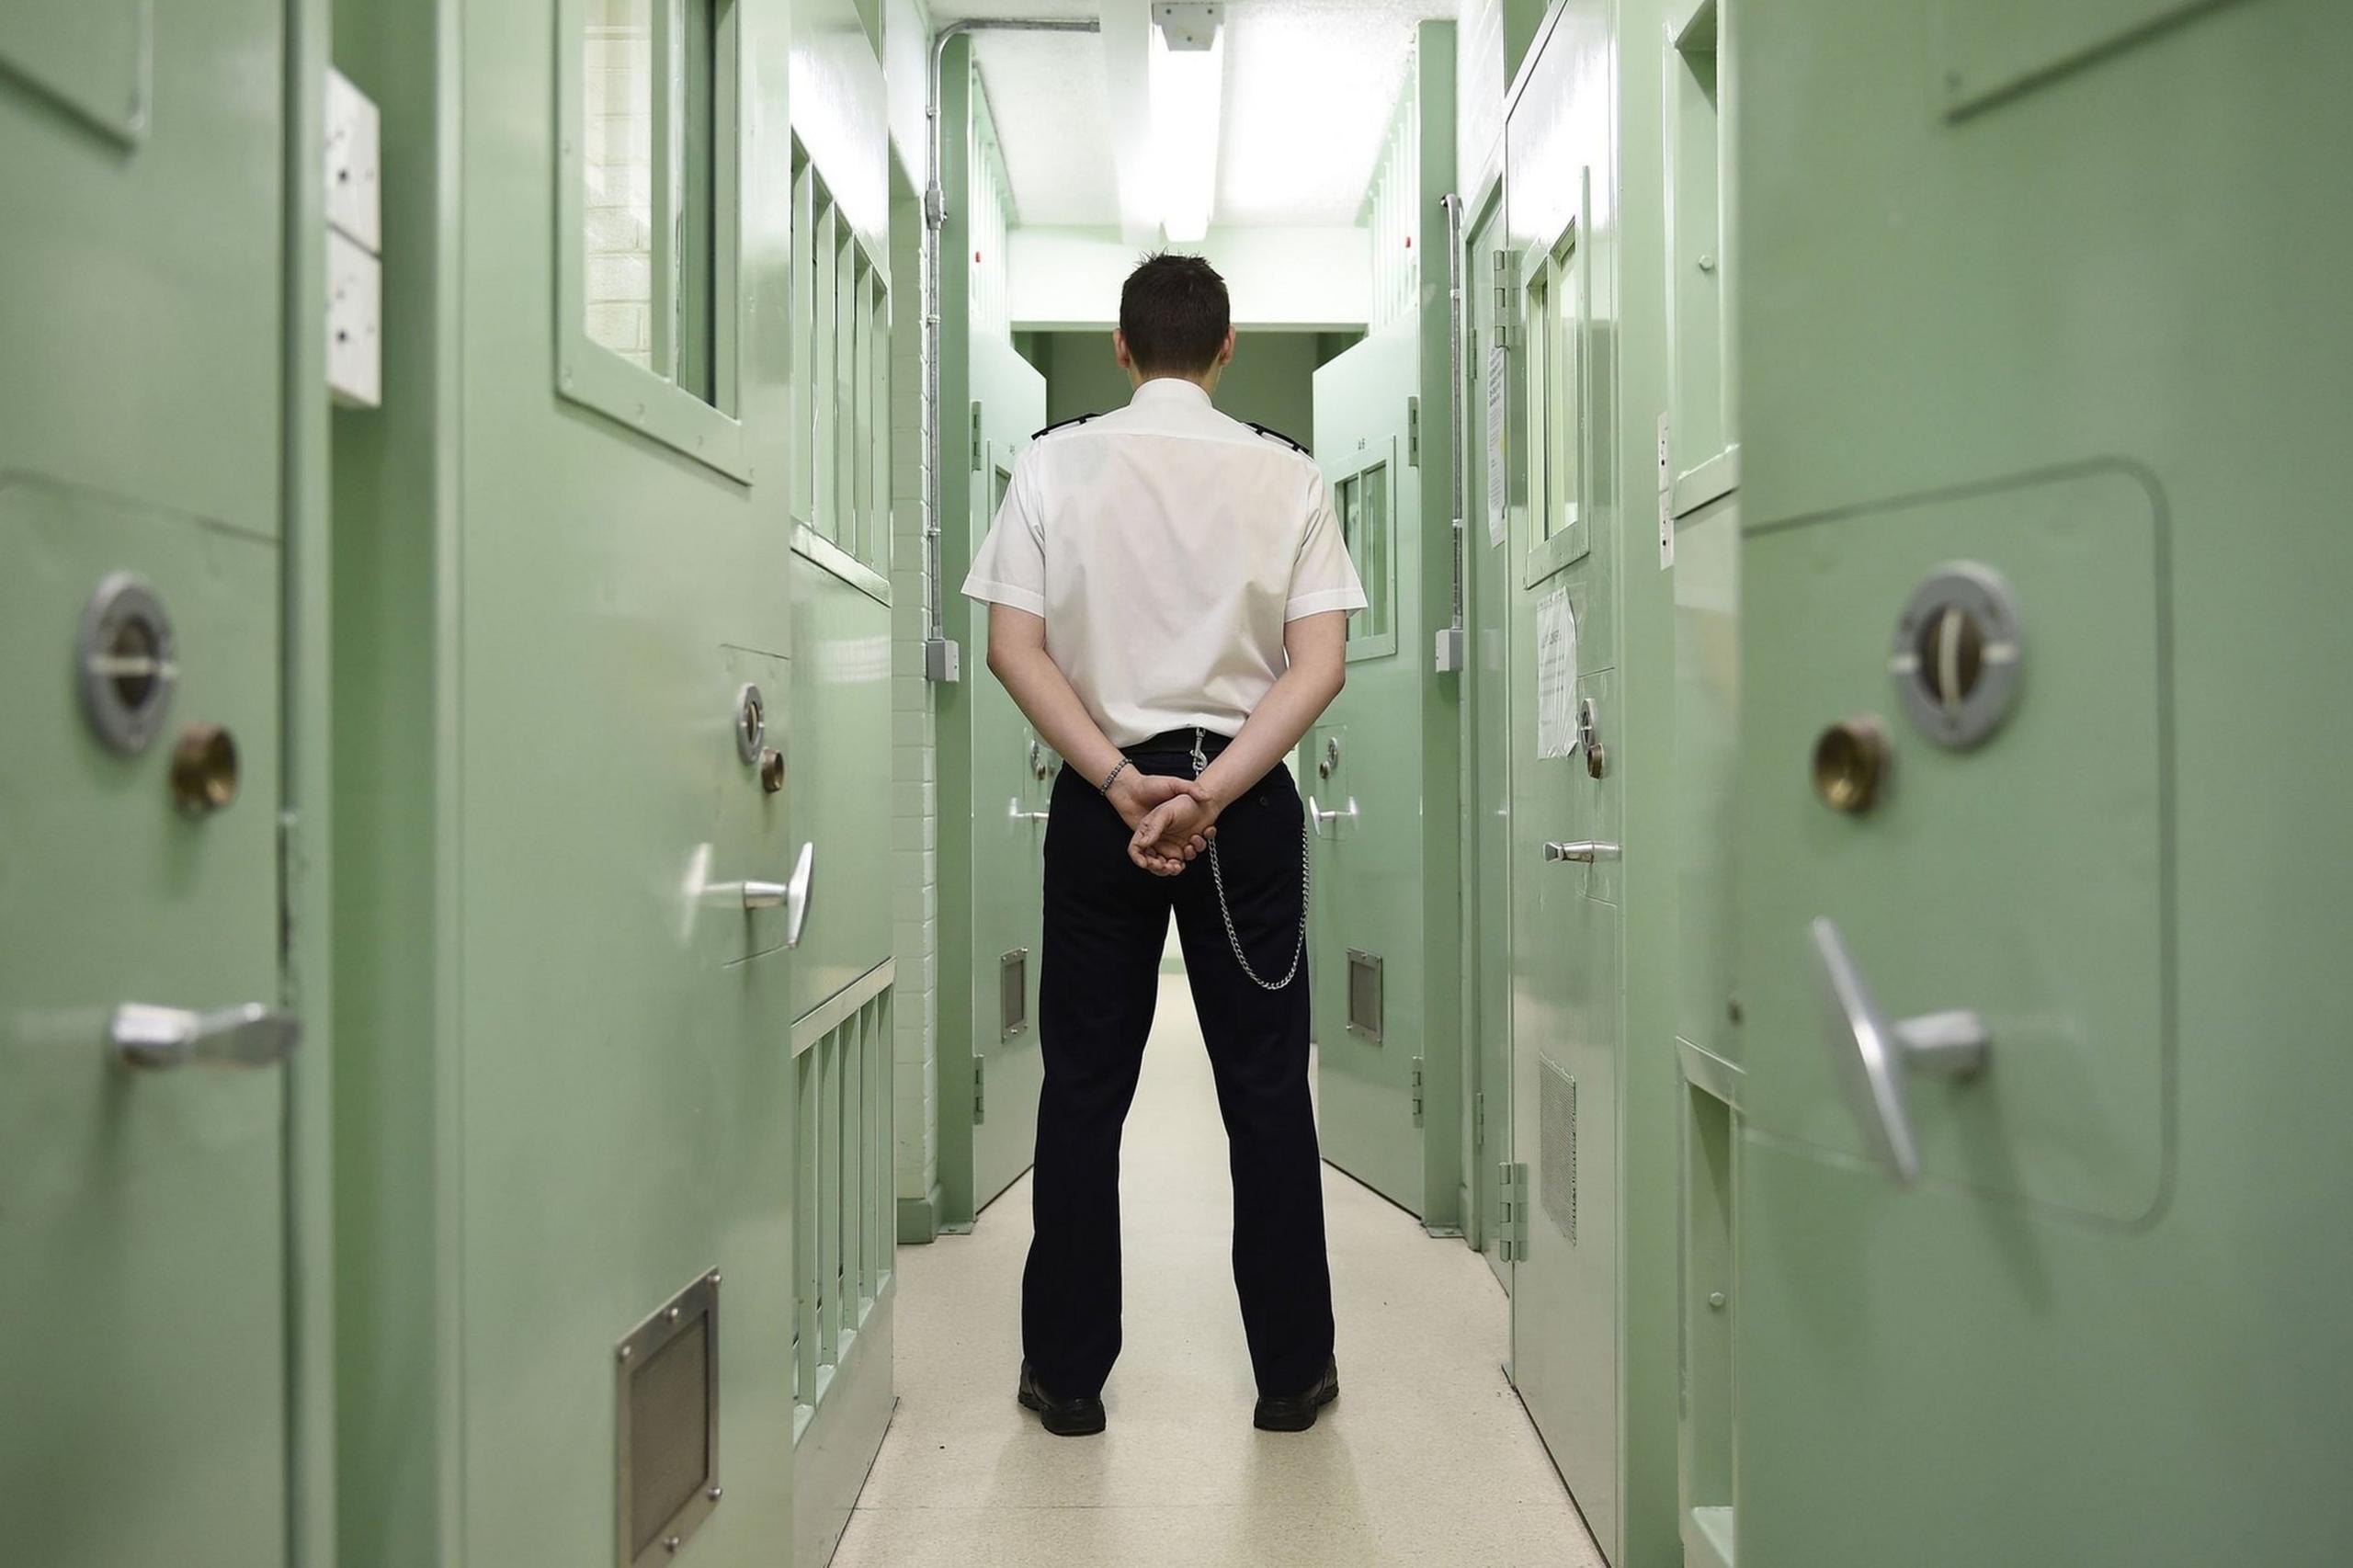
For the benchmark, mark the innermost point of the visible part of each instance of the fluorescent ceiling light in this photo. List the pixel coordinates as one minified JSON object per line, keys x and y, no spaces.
{"x":1187,"y":84}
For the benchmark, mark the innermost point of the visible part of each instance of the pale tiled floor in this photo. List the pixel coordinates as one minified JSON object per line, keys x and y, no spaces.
{"x":1425,"y":1460}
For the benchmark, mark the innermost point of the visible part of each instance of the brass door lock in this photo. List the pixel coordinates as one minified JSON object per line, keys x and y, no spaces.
{"x":1850,"y":762}
{"x":204,"y":770}
{"x":1597,"y":756}
{"x":771,"y":770}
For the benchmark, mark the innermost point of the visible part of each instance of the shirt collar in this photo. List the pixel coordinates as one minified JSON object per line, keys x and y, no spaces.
{"x":1166,"y":389}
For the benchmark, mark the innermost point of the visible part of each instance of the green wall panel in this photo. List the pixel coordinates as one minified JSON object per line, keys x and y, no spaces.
{"x":2150,"y":917}
{"x":1386,"y":870}
{"x":148,"y":263}
{"x":991,"y":860}
{"x":1598,"y":954}
{"x":571,"y":1087}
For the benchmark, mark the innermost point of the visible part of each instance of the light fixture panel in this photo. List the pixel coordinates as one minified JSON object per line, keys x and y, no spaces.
{"x":1187,"y":25}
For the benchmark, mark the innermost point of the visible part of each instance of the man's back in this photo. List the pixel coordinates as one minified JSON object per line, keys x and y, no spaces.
{"x":1166,"y":545}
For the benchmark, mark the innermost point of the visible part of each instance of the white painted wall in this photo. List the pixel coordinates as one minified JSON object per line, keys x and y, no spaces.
{"x":1479,"y":88}
{"x":1312,"y":278}
{"x":915,"y":795}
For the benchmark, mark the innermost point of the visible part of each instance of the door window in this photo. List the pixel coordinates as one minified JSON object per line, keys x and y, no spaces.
{"x":841,"y":359}
{"x":1553,"y":308}
{"x":1362,"y":501}
{"x":647,"y":197}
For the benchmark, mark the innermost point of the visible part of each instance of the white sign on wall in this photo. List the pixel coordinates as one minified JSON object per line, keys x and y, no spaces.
{"x":1556,"y":676}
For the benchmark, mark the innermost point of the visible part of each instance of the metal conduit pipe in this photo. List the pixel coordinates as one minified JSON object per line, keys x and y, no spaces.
{"x":1452,"y":640}
{"x":936,"y":652}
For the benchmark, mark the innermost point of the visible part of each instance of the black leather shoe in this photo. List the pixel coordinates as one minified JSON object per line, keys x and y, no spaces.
{"x":1296,"y":1412}
{"x":1062,"y":1417}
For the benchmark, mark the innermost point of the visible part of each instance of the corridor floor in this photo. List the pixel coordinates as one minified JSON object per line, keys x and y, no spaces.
{"x":1426,"y":1458}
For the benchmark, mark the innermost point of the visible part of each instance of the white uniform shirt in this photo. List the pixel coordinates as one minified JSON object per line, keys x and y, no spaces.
{"x":1166,"y":546}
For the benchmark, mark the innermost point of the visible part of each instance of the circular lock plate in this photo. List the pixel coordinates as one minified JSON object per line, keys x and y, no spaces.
{"x":751,"y":723}
{"x":1959,"y":653}
{"x":127,"y":663}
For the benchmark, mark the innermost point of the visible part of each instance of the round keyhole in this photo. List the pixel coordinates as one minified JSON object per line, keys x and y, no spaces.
{"x":132,"y":660}
{"x":751,"y":725}
{"x":771,"y":770}
{"x":1849,"y":761}
{"x":204,"y":770}
{"x":126,"y":652}
{"x":1959,"y":653}
{"x":1952,"y":656}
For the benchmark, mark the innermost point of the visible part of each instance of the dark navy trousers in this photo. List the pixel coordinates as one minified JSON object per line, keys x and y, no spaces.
{"x":1105,"y":923}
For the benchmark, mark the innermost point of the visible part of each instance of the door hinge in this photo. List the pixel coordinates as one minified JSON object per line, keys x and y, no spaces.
{"x":978,"y":449}
{"x":1511,"y":1212}
{"x":980,"y":1090}
{"x":1479,"y":1119}
{"x":1417,"y":1091}
{"x":1413,"y":432}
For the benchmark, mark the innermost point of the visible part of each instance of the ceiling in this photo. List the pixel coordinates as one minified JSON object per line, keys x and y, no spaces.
{"x":1310,"y":86}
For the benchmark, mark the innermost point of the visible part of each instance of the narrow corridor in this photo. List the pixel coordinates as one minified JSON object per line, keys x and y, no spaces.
{"x":1425,"y":1460}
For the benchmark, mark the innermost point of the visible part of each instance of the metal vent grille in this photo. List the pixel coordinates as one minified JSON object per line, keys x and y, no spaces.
{"x":1557,"y":1146}
{"x":666,"y":1426}
{"x":1364,"y":995}
{"x":1013,"y":992}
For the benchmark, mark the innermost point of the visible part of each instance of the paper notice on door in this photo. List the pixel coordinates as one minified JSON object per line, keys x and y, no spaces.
{"x":1498,"y":425}
{"x":1556,"y":676}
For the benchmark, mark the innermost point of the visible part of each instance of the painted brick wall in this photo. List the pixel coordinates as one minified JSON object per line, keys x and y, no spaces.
{"x":914,"y":827}
{"x":617,"y":83}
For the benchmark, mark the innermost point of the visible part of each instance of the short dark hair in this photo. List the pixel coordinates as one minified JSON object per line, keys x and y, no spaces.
{"x":1175,"y":314}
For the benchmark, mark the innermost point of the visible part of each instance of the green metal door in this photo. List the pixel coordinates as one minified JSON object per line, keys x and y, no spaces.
{"x":144,"y":1271}
{"x":1009,"y":796}
{"x":1486,"y":829}
{"x":1364,"y":784}
{"x":1565,"y":919}
{"x":2040,"y":909}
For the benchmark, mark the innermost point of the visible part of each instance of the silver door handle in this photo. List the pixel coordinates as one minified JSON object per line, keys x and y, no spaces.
{"x":1586,"y":850}
{"x":150,"y":1038}
{"x":1020,"y":815}
{"x":1874,"y":1055}
{"x":1319,"y":816}
{"x":792,"y":896}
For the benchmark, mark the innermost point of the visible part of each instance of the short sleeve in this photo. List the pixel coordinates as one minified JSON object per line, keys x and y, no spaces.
{"x":1323,"y":578}
{"x":1010,"y":566}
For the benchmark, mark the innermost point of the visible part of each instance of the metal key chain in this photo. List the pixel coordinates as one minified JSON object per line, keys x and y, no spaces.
{"x":1217,"y":874}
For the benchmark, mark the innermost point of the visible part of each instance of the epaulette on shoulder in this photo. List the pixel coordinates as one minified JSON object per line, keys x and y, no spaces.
{"x":1278,"y":436}
{"x":1062,"y":425}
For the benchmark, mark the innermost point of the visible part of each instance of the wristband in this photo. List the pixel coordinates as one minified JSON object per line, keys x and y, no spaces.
{"x":1113,"y":776}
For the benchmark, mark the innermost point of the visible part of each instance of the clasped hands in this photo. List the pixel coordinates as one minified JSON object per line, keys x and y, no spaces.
{"x":1172,"y":819}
